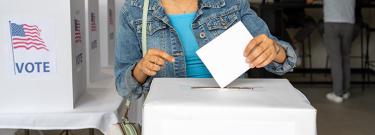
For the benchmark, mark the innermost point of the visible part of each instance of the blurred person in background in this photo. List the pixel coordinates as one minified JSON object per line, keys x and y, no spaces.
{"x":339,"y":20}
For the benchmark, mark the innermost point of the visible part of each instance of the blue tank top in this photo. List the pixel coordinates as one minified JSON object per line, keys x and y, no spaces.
{"x":182,"y":23}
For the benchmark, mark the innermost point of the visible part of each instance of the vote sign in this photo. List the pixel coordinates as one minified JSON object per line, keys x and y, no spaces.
{"x":42,"y":55}
{"x":33,"y":54}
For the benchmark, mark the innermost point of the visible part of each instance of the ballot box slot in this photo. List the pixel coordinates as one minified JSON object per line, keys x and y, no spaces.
{"x":225,"y":88}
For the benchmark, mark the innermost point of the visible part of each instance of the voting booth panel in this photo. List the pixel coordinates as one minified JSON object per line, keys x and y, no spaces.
{"x":93,"y":40}
{"x":200,"y":107}
{"x":42,"y":55}
{"x":111,"y":31}
{"x":107,"y":22}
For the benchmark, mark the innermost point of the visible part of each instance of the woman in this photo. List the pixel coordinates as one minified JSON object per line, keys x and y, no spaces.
{"x":176,"y":30}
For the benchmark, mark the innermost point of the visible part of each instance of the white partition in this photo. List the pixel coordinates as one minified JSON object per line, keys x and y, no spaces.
{"x":93,"y":40}
{"x":111,"y":30}
{"x":42,"y":55}
{"x":109,"y":15}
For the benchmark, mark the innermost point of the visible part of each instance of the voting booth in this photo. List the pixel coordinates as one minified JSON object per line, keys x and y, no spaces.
{"x":111,"y":31}
{"x":93,"y":46}
{"x":42,"y":55}
{"x":245,"y":107}
{"x":107,"y":22}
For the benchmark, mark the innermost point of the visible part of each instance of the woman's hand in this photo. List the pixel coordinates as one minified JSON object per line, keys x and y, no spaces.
{"x":150,"y":64}
{"x":262,"y":50}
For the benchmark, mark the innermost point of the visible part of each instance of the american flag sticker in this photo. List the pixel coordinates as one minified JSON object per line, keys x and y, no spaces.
{"x":79,"y":44}
{"x":25,"y":36}
{"x":93,"y":31}
{"x":93,"y":22}
{"x":110,"y":16}
{"x":32,"y":54}
{"x":77,"y":31}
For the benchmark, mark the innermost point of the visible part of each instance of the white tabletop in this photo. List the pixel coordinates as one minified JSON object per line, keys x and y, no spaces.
{"x":98,"y":108}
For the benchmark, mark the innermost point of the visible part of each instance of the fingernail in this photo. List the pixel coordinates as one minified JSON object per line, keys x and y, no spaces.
{"x":247,"y":60}
{"x":251,"y":65}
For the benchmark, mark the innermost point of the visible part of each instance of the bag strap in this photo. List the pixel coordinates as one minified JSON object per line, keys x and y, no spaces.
{"x":144,"y":26}
{"x":146,"y":4}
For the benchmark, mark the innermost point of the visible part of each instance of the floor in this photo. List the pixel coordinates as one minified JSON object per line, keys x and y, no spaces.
{"x":355,"y":116}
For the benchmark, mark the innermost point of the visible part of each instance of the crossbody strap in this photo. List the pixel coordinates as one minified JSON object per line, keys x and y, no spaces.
{"x":144,"y":26}
{"x":144,"y":40}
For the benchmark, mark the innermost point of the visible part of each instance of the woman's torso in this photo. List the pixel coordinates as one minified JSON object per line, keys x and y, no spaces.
{"x":212,"y":18}
{"x":182,"y":23}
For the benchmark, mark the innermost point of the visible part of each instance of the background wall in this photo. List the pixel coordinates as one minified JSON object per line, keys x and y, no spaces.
{"x":318,"y":49}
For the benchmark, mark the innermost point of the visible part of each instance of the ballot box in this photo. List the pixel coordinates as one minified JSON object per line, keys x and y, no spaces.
{"x":42,"y":55}
{"x":93,"y":45}
{"x":245,"y":107}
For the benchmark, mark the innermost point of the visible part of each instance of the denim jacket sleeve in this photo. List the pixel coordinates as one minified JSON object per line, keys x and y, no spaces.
{"x":257,"y":26}
{"x":127,"y":54}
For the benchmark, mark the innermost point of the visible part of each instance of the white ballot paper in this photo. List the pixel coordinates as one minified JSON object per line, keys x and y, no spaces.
{"x":223,"y":56}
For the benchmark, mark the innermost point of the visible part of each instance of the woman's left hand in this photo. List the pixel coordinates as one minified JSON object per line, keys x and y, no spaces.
{"x":261,"y":51}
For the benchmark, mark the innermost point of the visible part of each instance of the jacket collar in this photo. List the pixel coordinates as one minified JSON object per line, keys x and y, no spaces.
{"x":155,"y":4}
{"x":212,"y":3}
{"x":159,"y":13}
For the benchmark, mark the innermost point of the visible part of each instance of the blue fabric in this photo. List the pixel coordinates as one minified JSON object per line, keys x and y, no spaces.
{"x":182,"y":23}
{"x":213,"y":18}
{"x":17,"y":30}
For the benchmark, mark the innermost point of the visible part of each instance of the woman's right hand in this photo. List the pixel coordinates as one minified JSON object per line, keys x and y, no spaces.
{"x":150,"y":64}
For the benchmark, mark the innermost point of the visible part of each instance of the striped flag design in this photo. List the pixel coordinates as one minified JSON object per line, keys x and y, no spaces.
{"x":26,"y":36}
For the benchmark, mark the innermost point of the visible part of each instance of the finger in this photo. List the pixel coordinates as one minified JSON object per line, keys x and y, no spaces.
{"x":157,"y":60}
{"x":153,"y":67}
{"x":162,"y":54}
{"x":257,"y":52}
{"x":253,"y":43}
{"x":262,"y":57}
{"x":266,"y":62}
{"x":148,"y":72}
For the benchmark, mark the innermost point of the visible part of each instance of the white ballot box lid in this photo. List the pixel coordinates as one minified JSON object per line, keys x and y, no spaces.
{"x":256,"y":106}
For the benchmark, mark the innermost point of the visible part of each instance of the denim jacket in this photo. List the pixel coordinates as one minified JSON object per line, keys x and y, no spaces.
{"x":213,"y":17}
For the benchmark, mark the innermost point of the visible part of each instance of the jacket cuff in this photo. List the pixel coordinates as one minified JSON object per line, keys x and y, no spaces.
{"x":132,"y":84}
{"x":288,"y":65}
